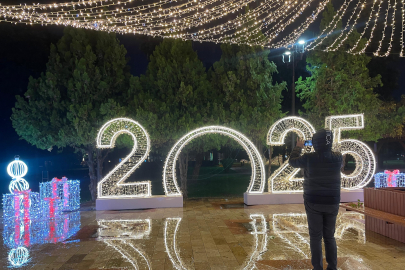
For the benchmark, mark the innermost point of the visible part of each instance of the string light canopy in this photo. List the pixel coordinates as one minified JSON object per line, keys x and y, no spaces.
{"x":267,"y":23}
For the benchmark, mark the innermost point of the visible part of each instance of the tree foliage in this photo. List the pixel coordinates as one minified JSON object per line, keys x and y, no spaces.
{"x":175,"y":97}
{"x":243,"y":79}
{"x":67,"y":104}
{"x":340,"y":83}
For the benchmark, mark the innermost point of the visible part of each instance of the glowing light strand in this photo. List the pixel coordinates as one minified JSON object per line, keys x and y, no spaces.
{"x":330,"y":47}
{"x":372,"y":15}
{"x":401,"y":54}
{"x":335,"y":20}
{"x":296,"y":34}
{"x":377,"y":52}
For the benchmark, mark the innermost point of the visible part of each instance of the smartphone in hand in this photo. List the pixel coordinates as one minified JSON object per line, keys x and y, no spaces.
{"x":308,"y":143}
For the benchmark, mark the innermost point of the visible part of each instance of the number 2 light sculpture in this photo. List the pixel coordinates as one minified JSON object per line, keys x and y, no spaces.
{"x":282,"y":180}
{"x":112,"y":185}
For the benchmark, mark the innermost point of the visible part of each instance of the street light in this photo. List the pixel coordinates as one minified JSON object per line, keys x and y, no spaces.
{"x":295,"y":48}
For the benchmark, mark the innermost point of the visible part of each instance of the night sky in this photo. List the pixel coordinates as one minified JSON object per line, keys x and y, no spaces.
{"x":24,"y":52}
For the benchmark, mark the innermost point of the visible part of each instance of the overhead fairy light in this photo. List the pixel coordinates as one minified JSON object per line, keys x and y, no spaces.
{"x":392,"y":7}
{"x":267,"y":23}
{"x":112,"y":185}
{"x":257,"y":180}
{"x":342,"y":40}
{"x":372,"y":15}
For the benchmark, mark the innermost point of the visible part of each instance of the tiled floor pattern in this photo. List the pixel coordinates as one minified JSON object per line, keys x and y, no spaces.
{"x":209,"y":234}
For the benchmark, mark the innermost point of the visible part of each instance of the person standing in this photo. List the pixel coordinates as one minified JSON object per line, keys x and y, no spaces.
{"x":321,"y":194}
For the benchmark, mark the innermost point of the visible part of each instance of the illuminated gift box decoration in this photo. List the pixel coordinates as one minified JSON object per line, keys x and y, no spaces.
{"x":389,"y":179}
{"x":67,"y":190}
{"x":51,"y":207}
{"x":24,"y":204}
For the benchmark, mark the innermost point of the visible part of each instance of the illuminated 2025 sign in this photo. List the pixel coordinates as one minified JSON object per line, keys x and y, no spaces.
{"x":282,"y":180}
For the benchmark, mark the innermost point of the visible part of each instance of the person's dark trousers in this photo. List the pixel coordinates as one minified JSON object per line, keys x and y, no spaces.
{"x":321,"y":223}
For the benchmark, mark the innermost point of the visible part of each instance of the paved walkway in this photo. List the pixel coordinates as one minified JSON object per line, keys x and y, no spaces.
{"x":205,"y":234}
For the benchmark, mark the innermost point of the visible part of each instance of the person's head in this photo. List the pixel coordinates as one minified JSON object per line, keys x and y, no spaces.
{"x":322,"y":140}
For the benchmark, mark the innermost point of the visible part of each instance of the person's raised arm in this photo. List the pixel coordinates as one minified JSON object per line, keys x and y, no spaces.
{"x":296,"y":160}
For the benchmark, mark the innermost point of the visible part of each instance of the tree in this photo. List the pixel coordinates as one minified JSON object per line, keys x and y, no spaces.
{"x":67,"y":105}
{"x":173,"y":98}
{"x":340,"y":83}
{"x":243,"y":79}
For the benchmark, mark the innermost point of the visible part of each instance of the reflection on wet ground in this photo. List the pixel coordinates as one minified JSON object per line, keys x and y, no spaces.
{"x":205,"y":234}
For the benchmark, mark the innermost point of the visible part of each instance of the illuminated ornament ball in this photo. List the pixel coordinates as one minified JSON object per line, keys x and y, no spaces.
{"x":18,"y":185}
{"x":18,"y":256}
{"x":17,"y":169}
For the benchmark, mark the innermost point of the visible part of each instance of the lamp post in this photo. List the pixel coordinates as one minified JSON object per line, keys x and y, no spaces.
{"x":298,"y":48}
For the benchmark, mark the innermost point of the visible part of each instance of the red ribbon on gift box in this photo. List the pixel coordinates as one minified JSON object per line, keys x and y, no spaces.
{"x":391,"y":175}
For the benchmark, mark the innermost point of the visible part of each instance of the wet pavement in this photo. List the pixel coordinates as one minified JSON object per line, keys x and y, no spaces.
{"x":205,"y":234}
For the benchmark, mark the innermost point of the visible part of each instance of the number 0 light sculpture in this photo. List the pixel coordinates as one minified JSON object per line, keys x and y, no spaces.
{"x":257,"y":181}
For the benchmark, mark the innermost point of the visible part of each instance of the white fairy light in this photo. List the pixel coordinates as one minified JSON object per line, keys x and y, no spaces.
{"x":330,"y":47}
{"x":372,"y":30}
{"x":377,"y":52}
{"x":362,"y":154}
{"x":209,"y":21}
{"x":372,"y":15}
{"x":335,"y":20}
{"x":403,"y":28}
{"x":257,"y":180}
{"x":282,"y":180}
{"x":296,"y":34}
{"x":112,"y":185}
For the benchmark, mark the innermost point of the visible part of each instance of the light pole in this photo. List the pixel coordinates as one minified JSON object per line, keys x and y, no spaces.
{"x":290,"y":53}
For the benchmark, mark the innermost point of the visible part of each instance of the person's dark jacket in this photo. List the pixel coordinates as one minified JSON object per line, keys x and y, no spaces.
{"x":321,"y":174}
